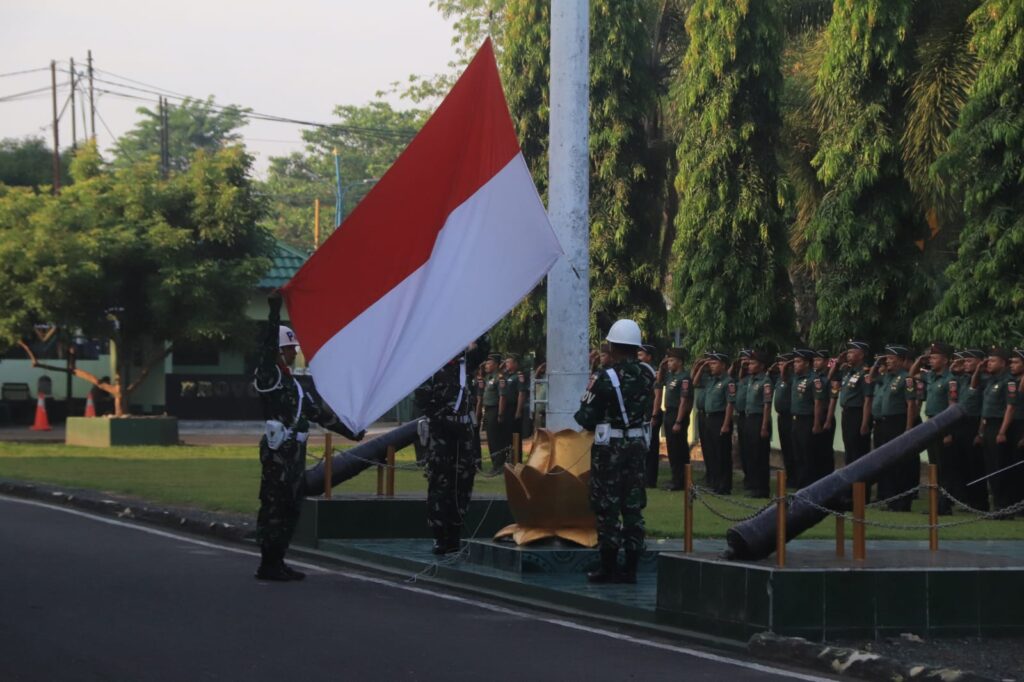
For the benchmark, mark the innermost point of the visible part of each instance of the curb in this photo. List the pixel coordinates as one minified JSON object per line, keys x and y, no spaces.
{"x":851,"y":662}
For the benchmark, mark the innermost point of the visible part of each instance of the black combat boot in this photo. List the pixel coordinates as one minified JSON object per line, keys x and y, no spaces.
{"x":291,"y":572}
{"x":271,"y":566}
{"x":440,"y":540}
{"x":453,"y":543}
{"x":609,"y":570}
{"x":628,"y":575}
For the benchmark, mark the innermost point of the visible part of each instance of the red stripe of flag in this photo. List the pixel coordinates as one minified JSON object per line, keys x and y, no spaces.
{"x":392,"y":231}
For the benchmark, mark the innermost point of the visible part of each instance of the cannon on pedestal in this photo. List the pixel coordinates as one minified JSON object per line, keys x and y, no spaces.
{"x":349,"y":463}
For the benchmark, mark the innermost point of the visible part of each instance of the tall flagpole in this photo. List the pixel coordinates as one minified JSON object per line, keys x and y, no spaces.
{"x":568,"y":208}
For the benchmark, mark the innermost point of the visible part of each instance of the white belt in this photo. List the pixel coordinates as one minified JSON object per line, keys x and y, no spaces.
{"x":629,"y":433}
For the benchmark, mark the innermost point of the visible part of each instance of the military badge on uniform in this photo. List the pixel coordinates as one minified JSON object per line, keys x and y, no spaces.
{"x":910,"y":383}
{"x":1011,"y":389}
{"x":684,"y":389}
{"x":732,"y":389}
{"x":953,"y":390}
{"x":767,"y":392}
{"x":817,"y":384}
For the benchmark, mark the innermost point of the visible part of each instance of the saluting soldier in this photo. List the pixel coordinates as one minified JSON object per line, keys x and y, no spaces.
{"x":808,"y":395}
{"x":855,"y":410}
{"x":739,"y":372}
{"x":615,"y":406}
{"x":647,"y":361}
{"x":719,"y":399}
{"x":784,"y":418}
{"x":998,"y":405}
{"x":678,"y":394}
{"x":490,"y":400}
{"x":895,"y":394}
{"x":935,"y":381}
{"x":970,"y":457}
{"x":757,"y":425}
{"x":513,"y":394}
{"x":825,"y":453}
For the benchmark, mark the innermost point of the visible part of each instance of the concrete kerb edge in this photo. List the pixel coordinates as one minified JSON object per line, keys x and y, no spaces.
{"x":847,"y":662}
{"x":765,"y":646}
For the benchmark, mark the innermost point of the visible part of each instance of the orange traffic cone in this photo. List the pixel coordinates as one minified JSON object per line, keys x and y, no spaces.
{"x":42,"y":421}
{"x":90,"y":407}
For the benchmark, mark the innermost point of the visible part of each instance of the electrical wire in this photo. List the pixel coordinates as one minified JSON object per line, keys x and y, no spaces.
{"x":18,"y":73}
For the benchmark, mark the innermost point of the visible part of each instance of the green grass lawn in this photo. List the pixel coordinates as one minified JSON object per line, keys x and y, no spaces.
{"x":226,"y":478}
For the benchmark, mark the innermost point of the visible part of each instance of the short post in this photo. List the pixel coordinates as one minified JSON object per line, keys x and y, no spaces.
{"x":517,"y":448}
{"x":933,"y":507}
{"x":328,"y":451}
{"x":780,"y":528}
{"x":390,"y":459}
{"x":840,"y":537}
{"x":859,"y":498}
{"x":688,"y":509}
{"x":380,"y":479}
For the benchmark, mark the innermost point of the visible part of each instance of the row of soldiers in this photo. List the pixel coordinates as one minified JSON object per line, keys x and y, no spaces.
{"x":502,"y":403}
{"x":870,"y":401}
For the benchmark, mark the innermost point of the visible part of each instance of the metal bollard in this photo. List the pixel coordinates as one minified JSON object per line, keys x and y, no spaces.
{"x":859,"y":499}
{"x":840,"y":537}
{"x":389,"y":459}
{"x":328,"y":450}
{"x":688,"y":509}
{"x":780,"y":526}
{"x":933,"y":507}
{"x":517,"y":448}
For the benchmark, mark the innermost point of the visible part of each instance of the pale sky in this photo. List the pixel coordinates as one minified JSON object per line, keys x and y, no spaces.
{"x":296,"y":58}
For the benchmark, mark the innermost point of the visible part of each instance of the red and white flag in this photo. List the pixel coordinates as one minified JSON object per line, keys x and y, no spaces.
{"x":449,"y":239}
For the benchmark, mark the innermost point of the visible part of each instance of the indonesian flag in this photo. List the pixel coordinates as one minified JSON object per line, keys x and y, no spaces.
{"x":449,"y":239}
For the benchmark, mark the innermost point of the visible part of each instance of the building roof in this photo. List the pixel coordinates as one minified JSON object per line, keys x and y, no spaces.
{"x":286,"y":261}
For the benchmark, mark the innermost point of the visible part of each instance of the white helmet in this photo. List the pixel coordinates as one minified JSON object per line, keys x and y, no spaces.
{"x":286,"y":337}
{"x":626,"y":332}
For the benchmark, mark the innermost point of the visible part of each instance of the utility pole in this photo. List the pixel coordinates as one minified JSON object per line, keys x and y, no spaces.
{"x":568,"y":207}
{"x":74,"y":124}
{"x":92,"y":104}
{"x":56,"y":134}
{"x":316,"y":224}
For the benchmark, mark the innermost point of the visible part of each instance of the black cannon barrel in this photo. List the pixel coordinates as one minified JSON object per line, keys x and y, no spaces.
{"x":349,"y":463}
{"x":754,"y":538}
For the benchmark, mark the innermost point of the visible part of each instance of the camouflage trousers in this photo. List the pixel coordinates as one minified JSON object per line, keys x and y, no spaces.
{"x":617,"y":493}
{"x":281,"y":493}
{"x":450,"y":470}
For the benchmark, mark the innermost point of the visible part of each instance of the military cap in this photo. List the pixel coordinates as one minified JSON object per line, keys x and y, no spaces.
{"x":784,"y":357}
{"x":959,"y":355}
{"x":496,"y":357}
{"x":898,"y":350}
{"x":854,"y":344}
{"x":805,"y":353}
{"x":677,"y":353}
{"x":512,"y":356}
{"x":941,"y":349}
{"x":823,"y":353}
{"x":746,"y":352}
{"x":1019,"y":352}
{"x":649,"y":349}
{"x":764,"y":357}
{"x":975,"y":353}
{"x":716,"y":355}
{"x":999,"y":352}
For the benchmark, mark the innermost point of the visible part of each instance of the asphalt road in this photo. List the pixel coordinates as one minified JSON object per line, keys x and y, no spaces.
{"x":90,"y":598}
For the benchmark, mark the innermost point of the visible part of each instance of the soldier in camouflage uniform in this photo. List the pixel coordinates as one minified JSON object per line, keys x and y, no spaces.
{"x":446,"y":399}
{"x":289,"y":409}
{"x":615,"y":407}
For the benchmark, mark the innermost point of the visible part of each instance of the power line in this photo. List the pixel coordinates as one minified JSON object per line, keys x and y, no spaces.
{"x":19,"y":95}
{"x":18,"y":73}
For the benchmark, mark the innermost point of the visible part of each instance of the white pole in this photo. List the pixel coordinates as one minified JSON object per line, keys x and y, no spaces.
{"x":568,"y":207}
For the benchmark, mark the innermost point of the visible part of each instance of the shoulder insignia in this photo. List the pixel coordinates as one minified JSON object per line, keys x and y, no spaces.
{"x":502,"y":383}
{"x":817,"y":384}
{"x":590,"y":384}
{"x":767,"y":391}
{"x":521,"y":376}
{"x":686,"y":384}
{"x":910,"y":383}
{"x":732,"y":388}
{"x":587,"y":398}
{"x":1011,"y":388}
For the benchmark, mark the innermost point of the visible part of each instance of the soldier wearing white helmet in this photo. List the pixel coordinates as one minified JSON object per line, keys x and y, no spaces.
{"x":616,"y":406}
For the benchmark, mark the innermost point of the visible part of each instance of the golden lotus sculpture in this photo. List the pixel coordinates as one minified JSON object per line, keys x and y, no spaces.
{"x":549,"y":495}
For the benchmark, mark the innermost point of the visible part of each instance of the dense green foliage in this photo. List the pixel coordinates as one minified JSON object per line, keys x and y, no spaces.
{"x":28,"y":162}
{"x":984,"y":299}
{"x":730,"y":282}
{"x":862,"y":238}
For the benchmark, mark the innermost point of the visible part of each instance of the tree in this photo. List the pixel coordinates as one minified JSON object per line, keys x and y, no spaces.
{"x":193,"y":124}
{"x":368,"y":139}
{"x":984,"y":300}
{"x":126,"y":254}
{"x":861,"y":241}
{"x":28,"y":162}
{"x":730,"y":280}
{"x":624,"y":230}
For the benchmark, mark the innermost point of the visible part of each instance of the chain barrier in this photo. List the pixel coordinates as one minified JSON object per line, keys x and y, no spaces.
{"x":1005,"y":512}
{"x":698,"y":492}
{"x":898,"y":496}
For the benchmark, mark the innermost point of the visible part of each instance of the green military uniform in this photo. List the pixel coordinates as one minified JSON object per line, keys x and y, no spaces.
{"x":617,"y":493}
{"x":806,"y":389}
{"x":969,"y":454}
{"x":289,"y":408}
{"x":450,"y":467}
{"x":719,"y":393}
{"x":678,"y":387}
{"x":851,"y":406}
{"x":738,"y":416}
{"x":508,"y":388}
{"x":699,"y":389}
{"x":1000,"y":392}
{"x":824,"y":458}
{"x":756,"y":452}
{"x":892,"y":393}
{"x":491,"y":426}
{"x":784,"y":420}
{"x":933,"y":390}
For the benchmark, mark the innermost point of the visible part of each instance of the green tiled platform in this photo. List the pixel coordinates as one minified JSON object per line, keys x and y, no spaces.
{"x":952,"y":592}
{"x":553,"y":556}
